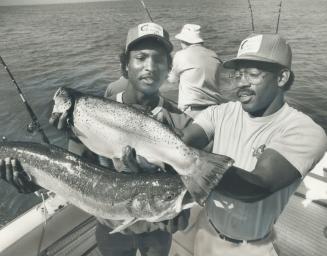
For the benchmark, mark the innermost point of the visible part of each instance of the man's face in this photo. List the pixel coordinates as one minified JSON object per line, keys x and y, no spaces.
{"x":148,"y":66}
{"x":257,"y":88}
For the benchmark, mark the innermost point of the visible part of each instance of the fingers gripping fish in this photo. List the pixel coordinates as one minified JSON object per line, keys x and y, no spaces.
{"x":106,"y":127}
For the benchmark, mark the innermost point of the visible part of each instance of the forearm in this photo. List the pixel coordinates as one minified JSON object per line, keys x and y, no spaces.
{"x":242,"y":185}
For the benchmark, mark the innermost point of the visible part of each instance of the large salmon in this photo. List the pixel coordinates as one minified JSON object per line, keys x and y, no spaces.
{"x":106,"y":127}
{"x":97,"y":190}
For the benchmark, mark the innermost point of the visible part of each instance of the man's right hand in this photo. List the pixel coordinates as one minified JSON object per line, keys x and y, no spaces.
{"x":136,"y":163}
{"x":12,"y":172}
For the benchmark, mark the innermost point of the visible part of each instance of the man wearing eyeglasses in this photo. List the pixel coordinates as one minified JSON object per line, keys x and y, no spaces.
{"x":274,"y":146}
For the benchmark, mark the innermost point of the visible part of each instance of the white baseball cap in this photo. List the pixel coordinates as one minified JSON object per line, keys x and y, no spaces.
{"x":270,"y":48}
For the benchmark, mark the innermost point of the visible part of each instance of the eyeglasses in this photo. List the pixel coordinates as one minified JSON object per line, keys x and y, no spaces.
{"x":253,"y":77}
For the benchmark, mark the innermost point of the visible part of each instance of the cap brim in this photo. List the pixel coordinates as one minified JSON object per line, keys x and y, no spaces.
{"x":234,"y":62}
{"x":167,"y":44}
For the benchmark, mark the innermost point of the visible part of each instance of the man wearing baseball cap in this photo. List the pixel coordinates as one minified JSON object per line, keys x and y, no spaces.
{"x":274,"y":146}
{"x":196,"y":71}
{"x":145,"y":63}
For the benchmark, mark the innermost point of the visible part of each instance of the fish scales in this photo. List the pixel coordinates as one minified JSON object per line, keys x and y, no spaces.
{"x":96,"y":190}
{"x":125,"y":119}
{"x":106,"y":127}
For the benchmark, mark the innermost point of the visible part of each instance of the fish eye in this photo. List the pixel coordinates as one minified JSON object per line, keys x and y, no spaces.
{"x":169,"y":195}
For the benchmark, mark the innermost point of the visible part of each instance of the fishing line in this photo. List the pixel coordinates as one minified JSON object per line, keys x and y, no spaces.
{"x":146,"y":9}
{"x":44,"y":223}
{"x":34,"y":125}
{"x":279,"y":12}
{"x":251,"y":13}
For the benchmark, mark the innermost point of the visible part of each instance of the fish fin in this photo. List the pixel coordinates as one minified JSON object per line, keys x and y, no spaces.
{"x":124,"y":225}
{"x":188,"y":201}
{"x":208,"y":170}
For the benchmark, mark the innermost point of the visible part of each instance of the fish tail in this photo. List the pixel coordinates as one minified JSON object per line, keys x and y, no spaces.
{"x":207,"y":171}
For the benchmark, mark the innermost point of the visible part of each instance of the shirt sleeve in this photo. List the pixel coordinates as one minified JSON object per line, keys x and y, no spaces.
{"x":207,"y":120}
{"x":303,"y":144}
{"x":116,"y":87}
{"x":173,"y":117}
{"x":181,"y":63}
{"x":173,"y":76}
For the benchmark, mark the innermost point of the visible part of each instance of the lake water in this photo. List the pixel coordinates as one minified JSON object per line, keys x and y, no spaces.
{"x":77,"y":45}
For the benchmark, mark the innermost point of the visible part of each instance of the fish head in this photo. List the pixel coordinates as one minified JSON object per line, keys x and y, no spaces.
{"x":159,"y":204}
{"x":63,"y":103}
{"x":168,"y":205}
{"x":63,"y":100}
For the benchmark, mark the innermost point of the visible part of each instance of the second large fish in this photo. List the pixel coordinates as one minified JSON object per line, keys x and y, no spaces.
{"x":106,"y":127}
{"x":97,"y":190}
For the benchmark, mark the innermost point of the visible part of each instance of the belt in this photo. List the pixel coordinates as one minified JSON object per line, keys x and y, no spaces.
{"x":232,"y":240}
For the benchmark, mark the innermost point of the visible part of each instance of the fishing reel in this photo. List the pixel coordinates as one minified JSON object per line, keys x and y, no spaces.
{"x":32,"y":127}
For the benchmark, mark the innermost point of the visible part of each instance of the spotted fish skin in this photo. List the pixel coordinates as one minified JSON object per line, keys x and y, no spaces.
{"x":99,"y":191}
{"x":107,"y":126}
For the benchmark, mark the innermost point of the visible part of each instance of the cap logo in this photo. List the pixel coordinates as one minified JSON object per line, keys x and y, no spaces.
{"x":250,"y":45}
{"x":150,"y":28}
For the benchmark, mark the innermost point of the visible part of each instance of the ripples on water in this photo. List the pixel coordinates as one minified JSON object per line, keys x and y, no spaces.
{"x":77,"y":45}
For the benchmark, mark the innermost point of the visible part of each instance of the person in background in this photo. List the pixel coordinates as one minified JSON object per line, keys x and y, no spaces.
{"x":196,"y":70}
{"x":146,"y":62}
{"x":274,"y":146}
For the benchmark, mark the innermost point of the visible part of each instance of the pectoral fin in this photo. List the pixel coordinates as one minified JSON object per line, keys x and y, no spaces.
{"x":125,"y":224}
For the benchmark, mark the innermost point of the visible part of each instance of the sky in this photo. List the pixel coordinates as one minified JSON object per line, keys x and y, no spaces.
{"x":33,"y":2}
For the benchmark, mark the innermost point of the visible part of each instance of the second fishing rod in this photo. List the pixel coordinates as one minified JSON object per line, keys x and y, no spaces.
{"x":34,"y":125}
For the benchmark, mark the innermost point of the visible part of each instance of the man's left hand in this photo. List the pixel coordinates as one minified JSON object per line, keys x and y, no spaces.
{"x":12,"y":172}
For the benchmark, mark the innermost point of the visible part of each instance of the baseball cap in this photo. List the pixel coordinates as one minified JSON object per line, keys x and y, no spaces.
{"x":148,"y":30}
{"x":270,"y":48}
{"x":190,"y":33}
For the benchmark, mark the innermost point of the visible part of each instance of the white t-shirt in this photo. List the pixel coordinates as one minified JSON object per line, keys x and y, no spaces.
{"x":288,"y":131}
{"x":196,"y":68}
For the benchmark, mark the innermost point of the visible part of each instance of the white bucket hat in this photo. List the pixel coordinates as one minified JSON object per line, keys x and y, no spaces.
{"x":190,"y":33}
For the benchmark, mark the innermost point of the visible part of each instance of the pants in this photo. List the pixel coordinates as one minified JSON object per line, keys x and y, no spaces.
{"x":156,"y":243}
{"x":207,"y":242}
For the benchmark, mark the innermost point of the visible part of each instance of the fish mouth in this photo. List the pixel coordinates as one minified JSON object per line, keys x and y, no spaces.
{"x":245,"y":95}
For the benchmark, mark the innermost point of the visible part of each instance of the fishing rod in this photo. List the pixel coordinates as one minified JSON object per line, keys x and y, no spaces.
{"x":146,"y":9}
{"x":34,"y":125}
{"x":279,"y":12}
{"x":251,"y":12}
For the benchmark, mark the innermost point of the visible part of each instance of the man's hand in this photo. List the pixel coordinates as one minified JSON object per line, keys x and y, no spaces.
{"x":136,"y":163}
{"x":59,"y":120}
{"x":12,"y":172}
